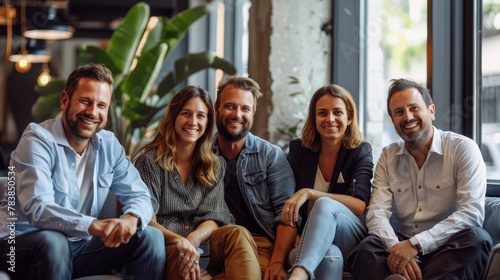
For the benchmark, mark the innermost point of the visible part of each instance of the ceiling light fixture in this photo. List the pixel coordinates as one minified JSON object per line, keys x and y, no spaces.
{"x":35,"y":52}
{"x":49,"y":26}
{"x":44,"y":78}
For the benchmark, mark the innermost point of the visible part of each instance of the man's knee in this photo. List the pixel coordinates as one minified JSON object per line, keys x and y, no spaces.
{"x":232,"y":237}
{"x":52,"y":244}
{"x":237,"y":231}
{"x":152,"y":234}
{"x":370,"y":242}
{"x":475,"y":237}
{"x":481,"y":236}
{"x":154,"y":242}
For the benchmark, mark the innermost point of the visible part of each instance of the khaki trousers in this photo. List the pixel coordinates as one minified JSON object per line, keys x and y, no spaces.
{"x":233,"y":255}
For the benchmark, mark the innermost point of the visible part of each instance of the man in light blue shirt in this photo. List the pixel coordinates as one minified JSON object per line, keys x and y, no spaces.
{"x":63,"y":170}
{"x":432,"y":187}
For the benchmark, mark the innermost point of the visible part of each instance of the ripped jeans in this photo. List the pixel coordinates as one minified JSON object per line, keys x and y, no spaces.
{"x":331,"y":232}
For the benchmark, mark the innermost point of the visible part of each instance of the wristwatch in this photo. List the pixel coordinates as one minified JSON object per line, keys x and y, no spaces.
{"x":138,"y":219}
{"x":414,"y":242}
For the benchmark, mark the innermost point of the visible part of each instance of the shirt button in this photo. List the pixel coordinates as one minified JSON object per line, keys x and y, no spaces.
{"x":419,"y":187}
{"x":416,"y":225}
{"x":438,"y":187}
{"x":399,"y":190}
{"x":186,"y":227}
{"x":419,"y":209}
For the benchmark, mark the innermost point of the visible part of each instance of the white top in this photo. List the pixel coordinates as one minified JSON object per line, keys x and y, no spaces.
{"x":319,"y":183}
{"x":445,"y":196}
{"x":84,"y":175}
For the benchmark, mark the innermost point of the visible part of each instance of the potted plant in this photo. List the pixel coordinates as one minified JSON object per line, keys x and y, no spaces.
{"x":138,"y":99}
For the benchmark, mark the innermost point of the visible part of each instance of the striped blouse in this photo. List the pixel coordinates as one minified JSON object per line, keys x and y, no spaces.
{"x":181,"y":208}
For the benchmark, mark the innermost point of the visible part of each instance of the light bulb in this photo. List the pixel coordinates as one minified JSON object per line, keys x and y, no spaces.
{"x":23,"y":65}
{"x":44,"y":78}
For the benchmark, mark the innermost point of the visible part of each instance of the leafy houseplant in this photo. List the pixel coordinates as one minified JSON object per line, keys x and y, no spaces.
{"x":139,"y":100}
{"x":287,"y":130}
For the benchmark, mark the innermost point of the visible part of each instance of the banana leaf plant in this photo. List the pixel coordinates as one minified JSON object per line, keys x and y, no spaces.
{"x":139,"y":100}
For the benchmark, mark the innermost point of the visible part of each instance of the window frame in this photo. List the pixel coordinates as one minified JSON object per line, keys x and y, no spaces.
{"x":452,"y":45}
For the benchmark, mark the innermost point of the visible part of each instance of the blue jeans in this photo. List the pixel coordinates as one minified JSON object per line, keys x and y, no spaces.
{"x":48,"y":254}
{"x":331,"y":232}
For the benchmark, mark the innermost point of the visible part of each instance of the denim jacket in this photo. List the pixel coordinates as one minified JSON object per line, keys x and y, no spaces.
{"x":265,"y":179}
{"x":46,"y":192}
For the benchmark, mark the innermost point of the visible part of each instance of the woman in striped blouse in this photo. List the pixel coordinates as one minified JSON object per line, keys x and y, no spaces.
{"x":185,"y":179}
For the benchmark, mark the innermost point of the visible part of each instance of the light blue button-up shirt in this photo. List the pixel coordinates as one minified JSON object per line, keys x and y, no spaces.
{"x":46,"y":190}
{"x":434,"y":202}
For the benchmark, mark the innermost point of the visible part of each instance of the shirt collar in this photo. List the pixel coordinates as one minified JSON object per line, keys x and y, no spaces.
{"x":436,"y":146}
{"x":57,"y":130}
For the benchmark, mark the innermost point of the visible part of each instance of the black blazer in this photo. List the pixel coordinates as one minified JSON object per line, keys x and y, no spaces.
{"x":352,"y":163}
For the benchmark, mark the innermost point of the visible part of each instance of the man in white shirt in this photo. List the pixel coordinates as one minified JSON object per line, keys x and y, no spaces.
{"x":433,"y":184}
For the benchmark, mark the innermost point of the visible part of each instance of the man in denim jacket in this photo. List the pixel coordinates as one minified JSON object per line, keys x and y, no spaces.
{"x":63,"y":170}
{"x":258,"y":177}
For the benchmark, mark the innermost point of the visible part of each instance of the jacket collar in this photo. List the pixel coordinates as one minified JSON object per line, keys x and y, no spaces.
{"x":249,"y":147}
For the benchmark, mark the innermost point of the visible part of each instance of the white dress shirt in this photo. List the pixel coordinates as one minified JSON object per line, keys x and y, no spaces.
{"x":434,"y":202}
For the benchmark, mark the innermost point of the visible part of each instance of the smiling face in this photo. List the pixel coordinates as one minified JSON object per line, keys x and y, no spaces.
{"x":332,"y":118}
{"x":86,"y":112}
{"x":191,"y":122}
{"x":412,"y":119}
{"x":235,"y":113}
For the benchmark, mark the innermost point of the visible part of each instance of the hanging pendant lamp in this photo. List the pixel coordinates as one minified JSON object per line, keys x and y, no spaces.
{"x":48,"y":26}
{"x":31,"y":51}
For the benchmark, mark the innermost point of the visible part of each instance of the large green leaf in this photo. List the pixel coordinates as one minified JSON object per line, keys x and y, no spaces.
{"x":126,"y":38}
{"x":175,"y":29}
{"x":154,"y":36}
{"x":142,"y":78}
{"x":95,"y":54}
{"x":135,"y":110}
{"x":46,"y":107}
{"x":146,"y":115}
{"x":190,"y":64}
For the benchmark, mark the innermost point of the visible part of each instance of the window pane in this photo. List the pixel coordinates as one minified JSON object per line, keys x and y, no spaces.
{"x":490,"y":94}
{"x":397,"y":39}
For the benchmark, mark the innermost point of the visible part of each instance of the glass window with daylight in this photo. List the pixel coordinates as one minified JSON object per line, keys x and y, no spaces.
{"x":490,"y":93}
{"x":397,"y":44}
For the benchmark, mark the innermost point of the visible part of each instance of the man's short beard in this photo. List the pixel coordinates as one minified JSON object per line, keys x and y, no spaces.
{"x":228,"y":136}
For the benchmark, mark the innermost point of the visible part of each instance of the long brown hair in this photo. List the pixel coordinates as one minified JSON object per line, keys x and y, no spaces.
{"x":353,"y":137}
{"x":204,"y":162}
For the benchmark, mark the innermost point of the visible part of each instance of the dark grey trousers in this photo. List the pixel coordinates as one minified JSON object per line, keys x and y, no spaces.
{"x":464,"y":256}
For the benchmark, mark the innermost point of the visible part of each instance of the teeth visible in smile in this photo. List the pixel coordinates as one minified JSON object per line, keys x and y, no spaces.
{"x":88,"y":122}
{"x":412,"y":125}
{"x":191,"y":130}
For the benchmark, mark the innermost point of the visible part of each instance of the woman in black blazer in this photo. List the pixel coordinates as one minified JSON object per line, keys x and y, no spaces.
{"x":332,"y":168}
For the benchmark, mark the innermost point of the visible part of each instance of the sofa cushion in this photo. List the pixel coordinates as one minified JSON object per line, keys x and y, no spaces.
{"x":492,"y":218}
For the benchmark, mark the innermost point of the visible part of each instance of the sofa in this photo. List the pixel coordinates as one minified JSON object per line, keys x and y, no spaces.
{"x":491,"y":225}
